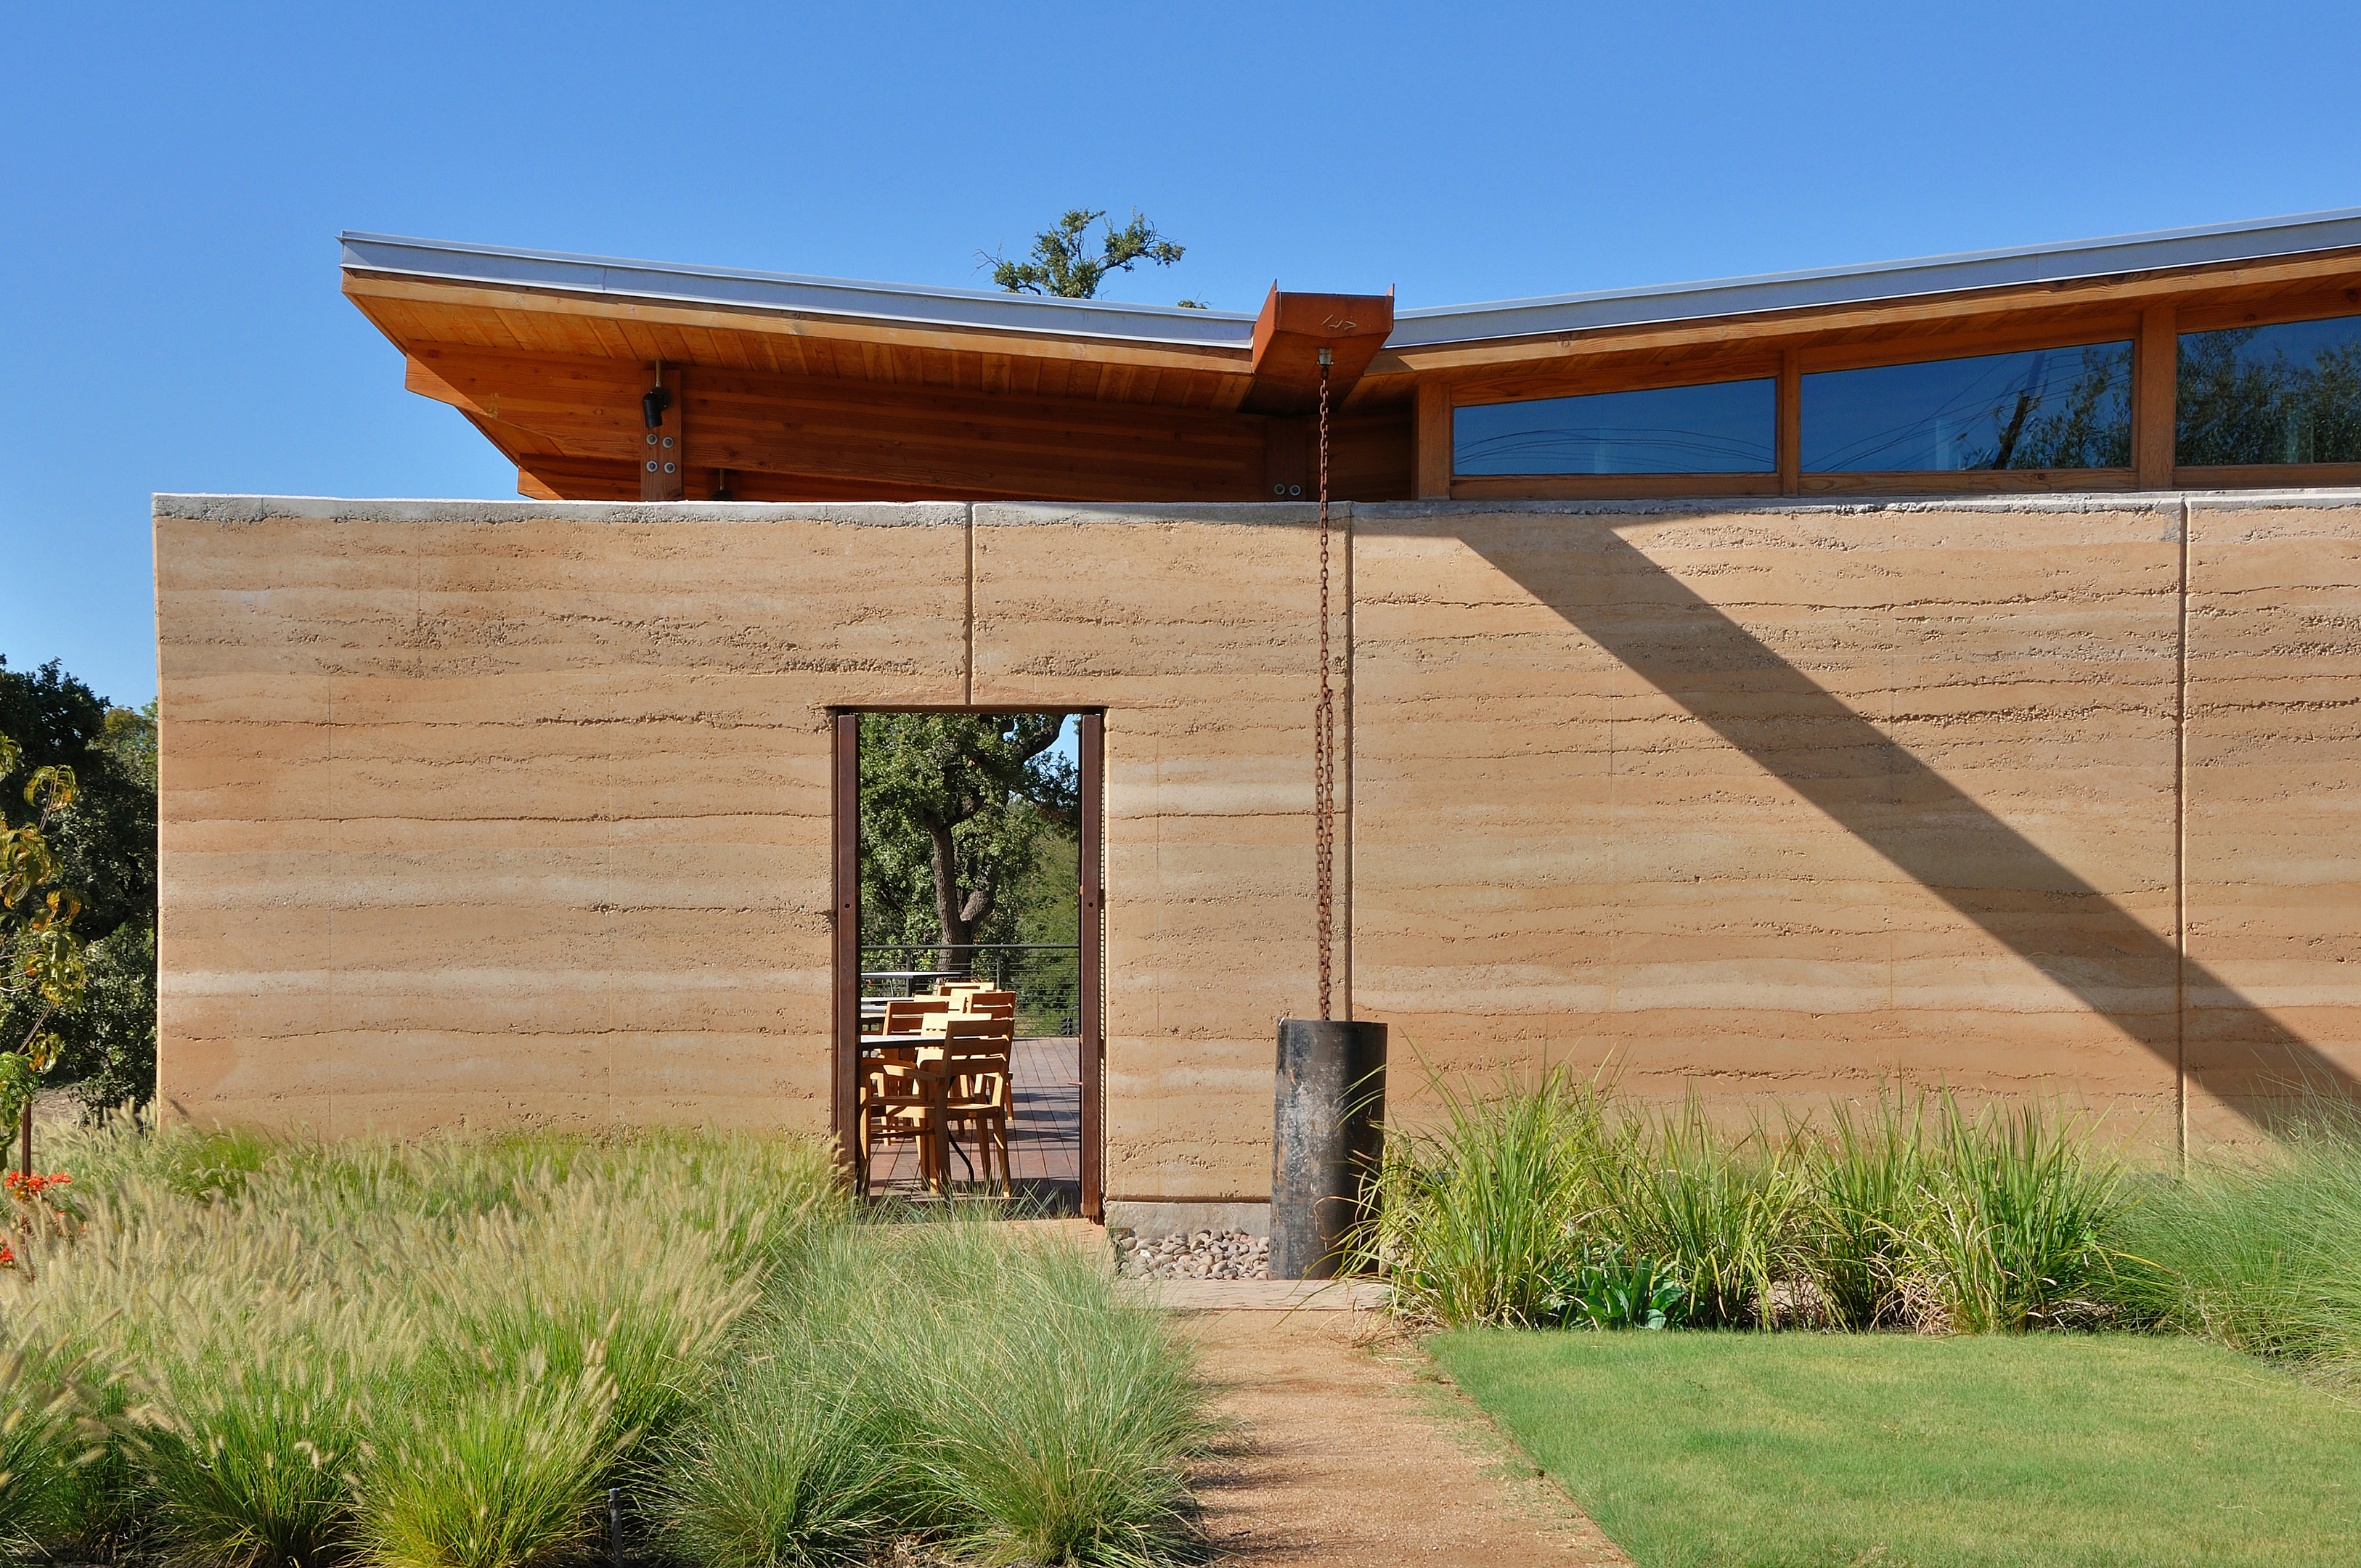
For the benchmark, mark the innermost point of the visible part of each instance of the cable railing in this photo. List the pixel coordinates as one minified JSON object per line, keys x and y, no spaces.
{"x":1046,"y":976}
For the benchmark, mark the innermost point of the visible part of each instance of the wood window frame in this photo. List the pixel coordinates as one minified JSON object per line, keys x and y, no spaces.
{"x":2320,"y":306}
{"x":1542,"y":385}
{"x":2153,"y":331}
{"x":844,"y":988}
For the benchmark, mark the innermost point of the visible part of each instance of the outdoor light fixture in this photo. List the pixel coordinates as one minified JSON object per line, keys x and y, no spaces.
{"x":653,"y":406}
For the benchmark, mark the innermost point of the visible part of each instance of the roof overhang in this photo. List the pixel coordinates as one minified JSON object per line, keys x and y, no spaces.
{"x":989,"y":394}
{"x":893,"y":312}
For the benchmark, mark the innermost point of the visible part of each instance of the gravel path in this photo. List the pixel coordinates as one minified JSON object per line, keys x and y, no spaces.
{"x":1350,"y":1450}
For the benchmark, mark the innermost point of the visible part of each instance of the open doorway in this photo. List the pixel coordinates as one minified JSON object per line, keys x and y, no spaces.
{"x":968,"y":889}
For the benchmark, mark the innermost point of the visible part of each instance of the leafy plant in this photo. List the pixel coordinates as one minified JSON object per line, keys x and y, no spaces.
{"x":253,"y":1426}
{"x":792,"y":1460}
{"x":1609,"y":1290}
{"x":437,"y":1355}
{"x":45,"y":973}
{"x":2257,"y":1251}
{"x":1053,"y":1424}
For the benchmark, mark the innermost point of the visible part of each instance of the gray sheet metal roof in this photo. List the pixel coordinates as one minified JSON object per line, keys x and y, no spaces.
{"x":786,"y":292}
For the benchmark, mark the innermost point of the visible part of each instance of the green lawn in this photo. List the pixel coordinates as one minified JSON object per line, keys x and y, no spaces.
{"x":1810,"y":1449}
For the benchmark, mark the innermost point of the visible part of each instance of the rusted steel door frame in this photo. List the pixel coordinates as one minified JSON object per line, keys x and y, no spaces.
{"x":844,"y":992}
{"x":1091,"y":939}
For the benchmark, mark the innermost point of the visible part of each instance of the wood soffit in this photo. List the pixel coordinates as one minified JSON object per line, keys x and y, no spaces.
{"x":490,"y":306}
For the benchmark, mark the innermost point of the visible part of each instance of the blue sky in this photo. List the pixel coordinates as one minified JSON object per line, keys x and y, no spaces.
{"x":175,"y":177}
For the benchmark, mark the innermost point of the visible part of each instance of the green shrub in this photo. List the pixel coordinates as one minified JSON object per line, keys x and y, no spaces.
{"x":1609,"y":1290}
{"x":582,"y":1271}
{"x":951,"y":1378}
{"x":1545,"y":1203}
{"x":439,"y":1354}
{"x":250,"y":1451}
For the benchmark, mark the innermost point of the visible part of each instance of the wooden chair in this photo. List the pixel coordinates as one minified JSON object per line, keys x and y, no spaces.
{"x":988,"y":1004}
{"x":977,"y":1099}
{"x":902,"y":1100}
{"x":903,"y":1015}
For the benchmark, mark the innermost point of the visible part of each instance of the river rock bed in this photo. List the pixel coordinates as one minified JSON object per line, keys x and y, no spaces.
{"x":1192,"y":1254}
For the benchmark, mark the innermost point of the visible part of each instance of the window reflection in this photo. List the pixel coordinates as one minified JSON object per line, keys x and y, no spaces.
{"x":2049,"y":408}
{"x":1722,"y":428}
{"x":2272,"y":394}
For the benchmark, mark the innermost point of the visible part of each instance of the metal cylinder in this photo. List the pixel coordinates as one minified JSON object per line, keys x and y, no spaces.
{"x":1326,"y":1138}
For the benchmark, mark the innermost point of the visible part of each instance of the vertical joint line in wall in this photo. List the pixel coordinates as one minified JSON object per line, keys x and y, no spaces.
{"x":2180,"y":856}
{"x":968,"y":673}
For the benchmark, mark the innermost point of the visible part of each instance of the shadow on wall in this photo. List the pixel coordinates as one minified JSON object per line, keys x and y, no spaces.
{"x":1875,"y":788}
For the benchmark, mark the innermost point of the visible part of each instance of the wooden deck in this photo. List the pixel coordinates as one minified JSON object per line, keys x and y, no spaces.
{"x":1045,"y":1134}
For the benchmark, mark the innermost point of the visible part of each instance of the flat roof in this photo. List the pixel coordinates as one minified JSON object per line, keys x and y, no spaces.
{"x":501,"y":266}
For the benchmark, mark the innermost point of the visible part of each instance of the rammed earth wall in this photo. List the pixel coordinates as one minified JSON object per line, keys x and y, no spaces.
{"x":495,"y":811}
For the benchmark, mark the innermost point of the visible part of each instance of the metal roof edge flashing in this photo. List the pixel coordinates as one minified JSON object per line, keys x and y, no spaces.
{"x":1864,"y":284}
{"x":741,"y":289}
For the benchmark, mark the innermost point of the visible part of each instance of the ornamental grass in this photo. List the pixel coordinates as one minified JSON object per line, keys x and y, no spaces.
{"x":249,"y":1352}
{"x":2260,"y":1251}
{"x":1547,"y":1202}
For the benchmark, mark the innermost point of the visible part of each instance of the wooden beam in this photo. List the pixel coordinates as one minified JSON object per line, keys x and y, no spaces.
{"x":1433,"y":463}
{"x":2310,"y":304}
{"x":2123,"y":327}
{"x":1581,"y":380}
{"x":1969,"y":481}
{"x":924,"y":440}
{"x":1608,"y":487}
{"x":537,"y":489}
{"x":2156,"y":374}
{"x":664,"y":462}
{"x":1289,"y":336}
{"x":1289,"y":464}
{"x":1791,"y":422}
